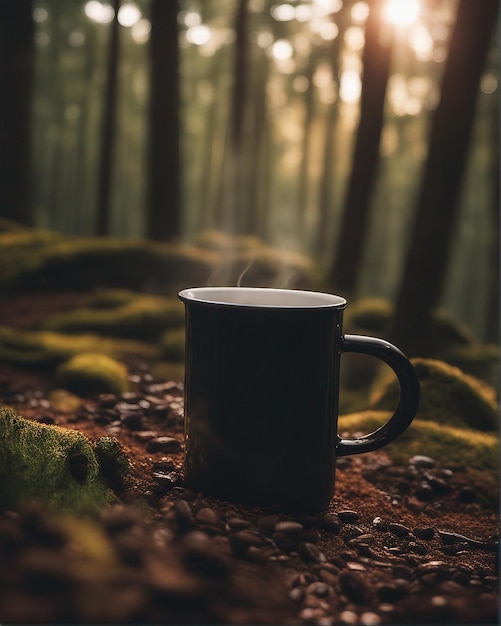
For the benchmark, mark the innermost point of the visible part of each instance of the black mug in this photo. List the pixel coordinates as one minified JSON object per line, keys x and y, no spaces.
{"x":261,"y":394}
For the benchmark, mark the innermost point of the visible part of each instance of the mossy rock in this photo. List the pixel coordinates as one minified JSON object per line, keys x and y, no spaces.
{"x":455,"y":448}
{"x":59,"y":467}
{"x":83,"y":264}
{"x":448,"y":396}
{"x":172,"y":345}
{"x":142,"y":317}
{"x":46,"y":261}
{"x":371,"y":315}
{"x":48,"y":349}
{"x":90,"y":374}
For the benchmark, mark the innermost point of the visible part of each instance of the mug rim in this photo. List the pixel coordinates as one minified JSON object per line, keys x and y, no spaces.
{"x":297,"y":298}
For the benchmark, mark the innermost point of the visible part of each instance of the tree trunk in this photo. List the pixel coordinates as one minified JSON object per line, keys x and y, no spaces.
{"x":376,"y":63}
{"x":164,"y":168}
{"x":16,"y":79}
{"x":426,"y":263}
{"x":108,"y":131}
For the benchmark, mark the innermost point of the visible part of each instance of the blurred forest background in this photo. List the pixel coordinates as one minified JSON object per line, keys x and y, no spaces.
{"x":360,"y":133}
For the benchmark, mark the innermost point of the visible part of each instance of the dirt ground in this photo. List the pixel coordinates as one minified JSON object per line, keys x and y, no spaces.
{"x":407,"y":544}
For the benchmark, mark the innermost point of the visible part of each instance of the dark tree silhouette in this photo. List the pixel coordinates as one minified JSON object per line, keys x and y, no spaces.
{"x":16,"y":78}
{"x":376,"y":64}
{"x":108,"y":130}
{"x":164,"y":170}
{"x":437,"y":207}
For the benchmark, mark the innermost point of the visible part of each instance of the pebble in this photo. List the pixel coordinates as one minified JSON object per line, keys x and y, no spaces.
{"x":163,"y":444}
{"x":166,"y":480}
{"x":380,"y":524}
{"x":420,"y":460}
{"x":467,"y":495}
{"x":133,"y":420}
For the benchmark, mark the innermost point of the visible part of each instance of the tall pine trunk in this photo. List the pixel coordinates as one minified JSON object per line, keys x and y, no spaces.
{"x":16,"y":79}
{"x":354,"y":223}
{"x":426,"y":264}
{"x":164,"y":167}
{"x":108,"y":131}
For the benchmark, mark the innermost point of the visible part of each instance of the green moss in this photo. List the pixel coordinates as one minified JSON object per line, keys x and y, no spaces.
{"x":88,"y":374}
{"x":448,"y":396}
{"x":143,"y":317}
{"x":64,"y":401}
{"x":37,"y":348}
{"x":368,"y":315}
{"x":172,"y":345}
{"x":455,"y":448}
{"x":54,"y":465}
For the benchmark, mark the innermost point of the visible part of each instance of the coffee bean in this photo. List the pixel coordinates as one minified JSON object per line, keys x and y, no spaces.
{"x":369,"y":618}
{"x":348,"y":516}
{"x":425,"y":533}
{"x":330,"y":523}
{"x":163,"y":465}
{"x":418,"y":548}
{"x":319,"y":589}
{"x":208,"y":516}
{"x":349,"y":617}
{"x":163,"y":444}
{"x":399,"y":529}
{"x":391,"y":592}
{"x":310,"y":553}
{"x":297,"y":594}
{"x":355,"y":587}
{"x":237,"y":523}
{"x":133,"y":420}
{"x":183,"y":514}
{"x":424,"y":492}
{"x":166,"y":480}
{"x":288,"y":527}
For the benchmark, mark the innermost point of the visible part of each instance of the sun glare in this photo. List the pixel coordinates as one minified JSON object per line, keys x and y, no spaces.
{"x":401,"y":12}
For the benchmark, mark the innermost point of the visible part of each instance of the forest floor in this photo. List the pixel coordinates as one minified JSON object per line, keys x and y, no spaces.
{"x":400,"y":544}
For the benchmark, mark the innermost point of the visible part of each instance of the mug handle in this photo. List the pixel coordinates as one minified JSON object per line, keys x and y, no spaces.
{"x":409,"y":394}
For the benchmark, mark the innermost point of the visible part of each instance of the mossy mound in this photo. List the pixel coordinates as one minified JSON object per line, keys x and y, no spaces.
{"x":46,"y":348}
{"x":57,"y":466}
{"x":448,"y":396}
{"x":90,"y":374}
{"x":477,"y":359}
{"x":141,"y":316}
{"x":455,"y":448}
{"x":36,"y":260}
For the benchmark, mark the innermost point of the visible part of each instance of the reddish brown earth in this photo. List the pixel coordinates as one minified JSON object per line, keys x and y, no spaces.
{"x":405,"y":544}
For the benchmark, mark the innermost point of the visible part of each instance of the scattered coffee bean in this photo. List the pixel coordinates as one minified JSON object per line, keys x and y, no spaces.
{"x":355,"y":587}
{"x":398,"y":529}
{"x":310,"y":553}
{"x":348,"y":516}
{"x":425,"y":533}
{"x":288,"y":527}
{"x":163,"y":444}
{"x":330,"y":523}
{"x":238,"y":523}
{"x":319,"y":589}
